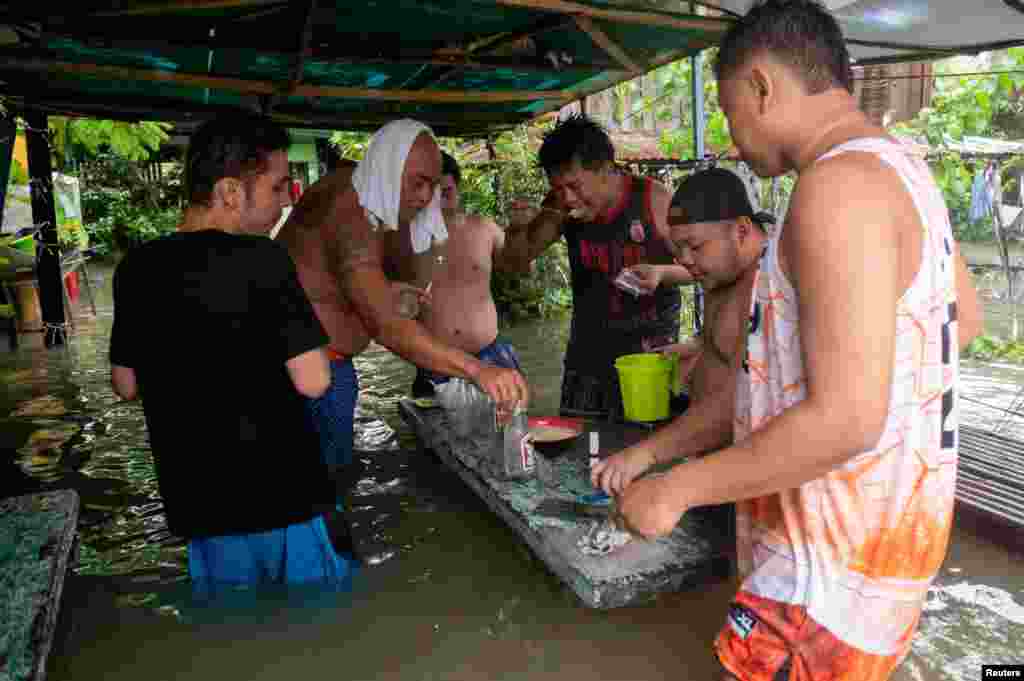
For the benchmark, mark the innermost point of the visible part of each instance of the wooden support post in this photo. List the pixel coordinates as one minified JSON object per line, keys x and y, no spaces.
{"x":51,"y":291}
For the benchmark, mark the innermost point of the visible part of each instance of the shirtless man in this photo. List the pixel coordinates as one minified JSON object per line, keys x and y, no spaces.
{"x":462,"y":312}
{"x":338,"y":254}
{"x":720,"y":238}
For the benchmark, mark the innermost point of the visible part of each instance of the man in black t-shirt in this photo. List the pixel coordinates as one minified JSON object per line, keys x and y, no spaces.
{"x":611,"y":222}
{"x":214,"y":333}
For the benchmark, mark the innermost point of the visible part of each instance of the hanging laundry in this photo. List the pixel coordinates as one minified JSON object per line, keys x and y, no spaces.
{"x":981,"y":196}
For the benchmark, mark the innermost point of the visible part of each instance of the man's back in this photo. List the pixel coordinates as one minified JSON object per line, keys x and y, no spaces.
{"x":207,"y":320}
{"x":320,"y":217}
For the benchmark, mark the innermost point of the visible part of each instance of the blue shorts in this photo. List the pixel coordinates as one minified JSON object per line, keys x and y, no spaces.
{"x":498,"y":353}
{"x":297,"y":554}
{"x":333,"y":415}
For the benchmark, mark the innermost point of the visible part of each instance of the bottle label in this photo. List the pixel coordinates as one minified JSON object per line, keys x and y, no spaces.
{"x":526,"y":453}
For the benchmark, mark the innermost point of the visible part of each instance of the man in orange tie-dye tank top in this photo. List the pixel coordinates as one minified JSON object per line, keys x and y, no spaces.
{"x":845,"y":454}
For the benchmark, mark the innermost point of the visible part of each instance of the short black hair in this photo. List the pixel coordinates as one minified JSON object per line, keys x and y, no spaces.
{"x":449,"y":166}
{"x":801,"y":33}
{"x":230,"y":145}
{"x":575,"y":138}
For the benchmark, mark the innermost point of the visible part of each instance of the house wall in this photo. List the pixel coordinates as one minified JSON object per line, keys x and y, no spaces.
{"x":893,"y":93}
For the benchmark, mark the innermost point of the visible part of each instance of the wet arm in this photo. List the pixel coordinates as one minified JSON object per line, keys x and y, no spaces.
{"x":356,"y":261}
{"x":524,"y":243}
{"x":124,"y":382}
{"x":848,"y":370}
{"x":969,"y":315}
{"x":310,"y":373}
{"x":673,"y":274}
{"x":707,"y":423}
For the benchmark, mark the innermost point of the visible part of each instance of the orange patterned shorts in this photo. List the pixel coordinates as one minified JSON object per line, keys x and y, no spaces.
{"x":767,"y":640}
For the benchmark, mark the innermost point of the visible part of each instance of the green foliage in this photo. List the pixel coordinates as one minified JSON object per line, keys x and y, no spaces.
{"x":129,"y":141}
{"x":675,"y":81}
{"x":989,"y":348}
{"x":350,"y":145}
{"x":968,"y":105}
{"x":117,"y":177}
{"x":978,"y":231}
{"x":115,"y":222}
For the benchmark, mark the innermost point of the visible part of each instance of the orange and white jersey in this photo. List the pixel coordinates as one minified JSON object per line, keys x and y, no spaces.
{"x":858,"y":548}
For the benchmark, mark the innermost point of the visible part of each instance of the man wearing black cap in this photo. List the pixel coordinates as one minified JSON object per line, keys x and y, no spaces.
{"x":720,"y":238}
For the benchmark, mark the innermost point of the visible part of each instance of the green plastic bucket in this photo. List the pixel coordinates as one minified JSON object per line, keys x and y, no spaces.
{"x":646,"y":380}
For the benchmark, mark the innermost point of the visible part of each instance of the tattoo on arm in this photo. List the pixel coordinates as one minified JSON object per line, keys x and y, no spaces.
{"x":356,"y":247}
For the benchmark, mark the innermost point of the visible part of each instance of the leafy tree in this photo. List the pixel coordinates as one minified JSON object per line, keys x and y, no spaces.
{"x":981,"y":105}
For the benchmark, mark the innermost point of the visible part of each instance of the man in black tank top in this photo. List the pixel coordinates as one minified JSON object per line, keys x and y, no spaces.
{"x":611,"y":221}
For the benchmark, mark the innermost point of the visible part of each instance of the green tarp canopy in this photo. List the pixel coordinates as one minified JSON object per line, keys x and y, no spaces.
{"x":466,"y":67}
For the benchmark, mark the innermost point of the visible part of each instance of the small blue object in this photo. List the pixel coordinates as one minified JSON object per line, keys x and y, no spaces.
{"x":600,"y":497}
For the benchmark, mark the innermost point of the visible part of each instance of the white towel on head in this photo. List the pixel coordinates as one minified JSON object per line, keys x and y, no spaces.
{"x":378,"y":182}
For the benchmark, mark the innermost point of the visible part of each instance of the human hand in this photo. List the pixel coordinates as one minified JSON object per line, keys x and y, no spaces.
{"x":506,"y":387}
{"x":649,"y":508}
{"x":688,"y":354}
{"x":616,"y":472}
{"x":648,"y":276}
{"x":409,"y":298}
{"x":521,"y":212}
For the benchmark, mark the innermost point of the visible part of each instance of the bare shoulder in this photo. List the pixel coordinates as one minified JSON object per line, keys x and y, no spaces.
{"x":355,"y":241}
{"x":847,"y":195}
{"x":857,"y":178}
{"x":481,"y":222}
{"x":483,"y":227}
{"x":848,"y":210}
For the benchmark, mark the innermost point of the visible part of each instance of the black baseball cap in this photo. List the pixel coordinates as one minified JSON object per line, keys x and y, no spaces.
{"x":714,"y":195}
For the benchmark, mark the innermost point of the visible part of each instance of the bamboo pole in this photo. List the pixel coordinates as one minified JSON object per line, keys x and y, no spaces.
{"x":706,"y":24}
{"x":259,"y":87}
{"x":602,"y":40}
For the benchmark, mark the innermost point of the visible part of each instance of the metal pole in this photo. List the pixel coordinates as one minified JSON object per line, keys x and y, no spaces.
{"x":697,"y":99}
{"x":51,"y":291}
{"x":697,"y":81}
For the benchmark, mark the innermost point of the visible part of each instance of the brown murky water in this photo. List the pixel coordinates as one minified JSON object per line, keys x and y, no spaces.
{"x":448,"y":592}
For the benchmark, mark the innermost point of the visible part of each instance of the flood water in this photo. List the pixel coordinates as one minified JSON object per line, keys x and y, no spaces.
{"x":448,"y":592}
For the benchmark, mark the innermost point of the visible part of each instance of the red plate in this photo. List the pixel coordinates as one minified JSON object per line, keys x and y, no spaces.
{"x":570,"y":424}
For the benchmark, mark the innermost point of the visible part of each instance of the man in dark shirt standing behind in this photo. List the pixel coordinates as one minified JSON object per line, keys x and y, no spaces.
{"x":214,"y":333}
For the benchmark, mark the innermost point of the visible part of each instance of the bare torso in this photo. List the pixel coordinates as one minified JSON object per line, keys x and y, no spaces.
{"x":726,"y":311}
{"x":462,"y":313}
{"x":312,"y":222}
